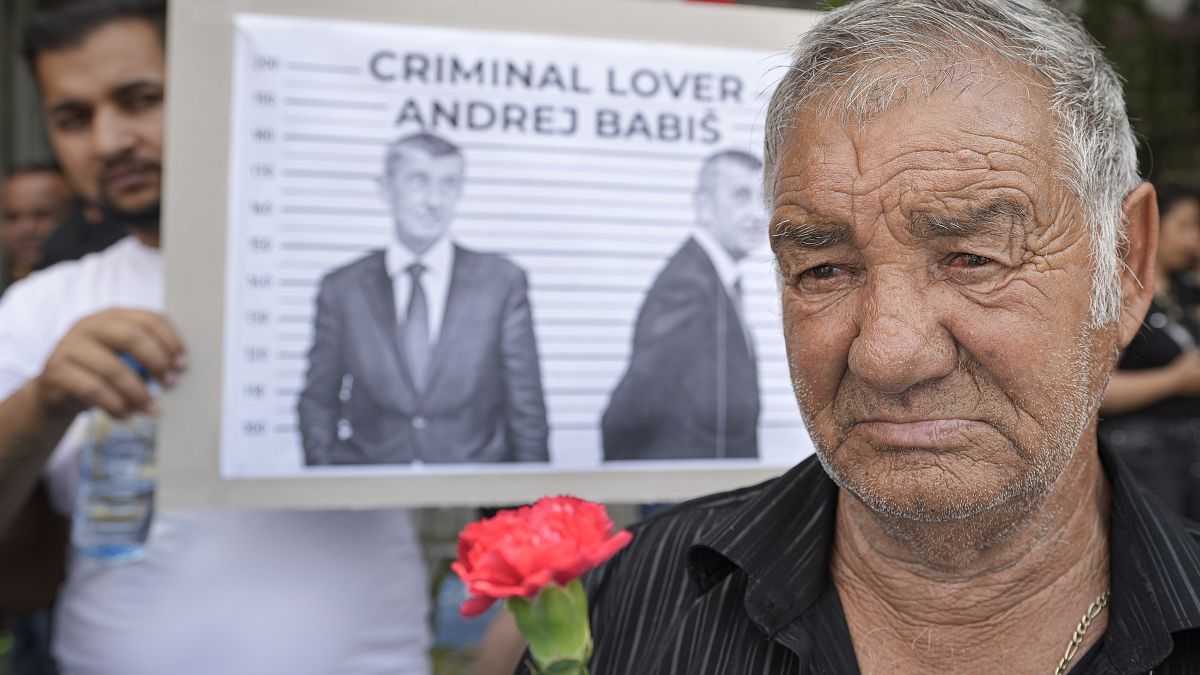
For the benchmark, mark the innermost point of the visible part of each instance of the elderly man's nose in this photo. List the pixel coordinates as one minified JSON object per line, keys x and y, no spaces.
{"x":900,"y":344}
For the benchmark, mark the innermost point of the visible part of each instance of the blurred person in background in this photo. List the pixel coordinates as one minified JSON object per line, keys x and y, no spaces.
{"x":1151,"y":410}
{"x":33,"y":200}
{"x":236,"y":593}
{"x":87,"y":229}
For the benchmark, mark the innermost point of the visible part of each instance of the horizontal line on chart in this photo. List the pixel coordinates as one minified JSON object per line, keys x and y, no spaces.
{"x":309,"y":67}
{"x":331,"y":192}
{"x":576,"y":150}
{"x":323,"y":228}
{"x":506,"y":147}
{"x":333,"y":103}
{"x":334,"y":85}
{"x":513,"y":251}
{"x":326,"y":173}
{"x":313,"y":210}
{"x":335,"y":138}
{"x":305,"y":209}
{"x":328,"y":121}
{"x":480,"y":199}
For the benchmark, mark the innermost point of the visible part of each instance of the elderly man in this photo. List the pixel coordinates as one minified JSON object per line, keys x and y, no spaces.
{"x":964,"y":247}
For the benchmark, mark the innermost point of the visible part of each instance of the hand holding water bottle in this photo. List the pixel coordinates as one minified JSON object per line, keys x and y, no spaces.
{"x":113,"y":362}
{"x":86,"y":371}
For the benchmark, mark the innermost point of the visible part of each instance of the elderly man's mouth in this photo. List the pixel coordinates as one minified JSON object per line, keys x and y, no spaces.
{"x":920,"y":433}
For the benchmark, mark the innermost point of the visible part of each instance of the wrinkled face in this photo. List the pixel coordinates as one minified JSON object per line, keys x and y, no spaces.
{"x":1179,"y":235}
{"x":33,"y":204}
{"x":935,"y":301}
{"x":423,"y":191}
{"x":730,"y":206}
{"x":103,"y":105}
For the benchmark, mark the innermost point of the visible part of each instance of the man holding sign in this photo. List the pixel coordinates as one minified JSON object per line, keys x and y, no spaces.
{"x":234,"y":592}
{"x":423,"y":351}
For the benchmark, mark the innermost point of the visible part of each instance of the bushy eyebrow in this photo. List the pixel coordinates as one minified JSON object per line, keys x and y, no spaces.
{"x":810,"y":234}
{"x":996,"y":217}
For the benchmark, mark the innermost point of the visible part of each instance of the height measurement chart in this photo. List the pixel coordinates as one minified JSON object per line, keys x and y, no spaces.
{"x":466,"y":251}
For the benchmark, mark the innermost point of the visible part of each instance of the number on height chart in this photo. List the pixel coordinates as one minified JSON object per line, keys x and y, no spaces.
{"x":256,"y":354}
{"x":260,"y":208}
{"x":259,"y":281}
{"x":254,"y":427}
{"x":262,"y":171}
{"x":254,"y":390}
{"x":264,"y":98}
{"x":257,"y":317}
{"x":260,"y":244}
{"x":266,"y":63}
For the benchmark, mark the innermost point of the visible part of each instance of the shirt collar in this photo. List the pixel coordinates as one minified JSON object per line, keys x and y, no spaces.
{"x":725,"y":265}
{"x":781,"y":540}
{"x":437,"y":259}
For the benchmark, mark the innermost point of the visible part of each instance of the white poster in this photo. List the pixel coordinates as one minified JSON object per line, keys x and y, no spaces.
{"x":465,"y":251}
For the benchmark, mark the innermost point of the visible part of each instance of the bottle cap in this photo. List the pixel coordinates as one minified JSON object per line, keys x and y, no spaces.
{"x":134,"y":365}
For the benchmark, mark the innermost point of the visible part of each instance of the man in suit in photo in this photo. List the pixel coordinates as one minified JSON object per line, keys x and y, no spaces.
{"x":691,"y":389}
{"x":423,"y":352}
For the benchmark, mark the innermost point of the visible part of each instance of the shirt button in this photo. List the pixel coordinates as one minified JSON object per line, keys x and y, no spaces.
{"x":419,"y":422}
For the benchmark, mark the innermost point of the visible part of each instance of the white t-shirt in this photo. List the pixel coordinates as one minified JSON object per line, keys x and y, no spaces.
{"x":218,"y":593}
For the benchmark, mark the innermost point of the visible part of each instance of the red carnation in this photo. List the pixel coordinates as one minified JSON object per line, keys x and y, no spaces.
{"x":518,"y":552}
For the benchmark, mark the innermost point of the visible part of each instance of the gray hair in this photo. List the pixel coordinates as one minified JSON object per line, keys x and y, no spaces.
{"x":863,"y":56}
{"x":430,"y":144}
{"x":708,"y":168}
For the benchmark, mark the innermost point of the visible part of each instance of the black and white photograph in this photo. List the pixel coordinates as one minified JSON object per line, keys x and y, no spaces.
{"x":424,"y":350}
{"x":691,"y":390}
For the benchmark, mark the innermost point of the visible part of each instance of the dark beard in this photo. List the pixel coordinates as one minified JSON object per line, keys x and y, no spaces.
{"x":145,"y":220}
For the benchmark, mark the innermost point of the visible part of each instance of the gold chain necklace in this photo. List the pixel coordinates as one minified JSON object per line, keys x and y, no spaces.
{"x":1081,"y":630}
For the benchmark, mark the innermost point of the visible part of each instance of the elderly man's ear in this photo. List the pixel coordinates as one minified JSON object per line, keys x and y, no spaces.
{"x":1138,"y":255}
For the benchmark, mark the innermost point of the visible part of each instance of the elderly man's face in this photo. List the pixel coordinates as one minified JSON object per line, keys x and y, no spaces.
{"x":935,"y":300}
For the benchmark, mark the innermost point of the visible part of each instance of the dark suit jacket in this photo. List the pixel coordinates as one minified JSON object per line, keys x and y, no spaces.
{"x":691,"y":390}
{"x":483,"y":401}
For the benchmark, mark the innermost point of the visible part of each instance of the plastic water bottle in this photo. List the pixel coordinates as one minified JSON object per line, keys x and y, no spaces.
{"x":114,"y":504}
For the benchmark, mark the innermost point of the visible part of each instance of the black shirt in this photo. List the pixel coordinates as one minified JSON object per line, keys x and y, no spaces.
{"x":738,"y":583}
{"x":76,"y":237}
{"x":1169,"y":329}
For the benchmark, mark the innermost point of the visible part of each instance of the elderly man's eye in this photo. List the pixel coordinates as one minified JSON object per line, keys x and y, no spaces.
{"x":822,"y":272}
{"x":970,"y":260}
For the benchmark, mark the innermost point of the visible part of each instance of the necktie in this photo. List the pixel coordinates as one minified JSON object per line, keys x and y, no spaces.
{"x":739,"y":305}
{"x":416,"y":329}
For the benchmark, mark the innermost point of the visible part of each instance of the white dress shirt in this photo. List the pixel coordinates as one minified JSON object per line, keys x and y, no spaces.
{"x":726,"y":266}
{"x":435,"y":280}
{"x":730,"y":276}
